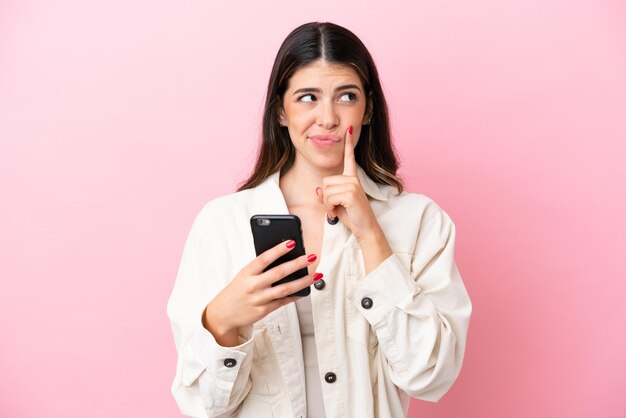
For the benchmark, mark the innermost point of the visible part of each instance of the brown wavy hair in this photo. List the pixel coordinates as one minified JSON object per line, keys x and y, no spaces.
{"x":304,"y":45}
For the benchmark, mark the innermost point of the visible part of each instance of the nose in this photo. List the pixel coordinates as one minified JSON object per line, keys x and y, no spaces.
{"x":327,"y":117}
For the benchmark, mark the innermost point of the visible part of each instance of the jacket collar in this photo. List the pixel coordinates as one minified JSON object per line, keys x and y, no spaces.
{"x":269,"y":198}
{"x":373,"y":189}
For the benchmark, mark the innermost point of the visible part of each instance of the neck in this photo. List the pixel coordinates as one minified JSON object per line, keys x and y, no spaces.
{"x":299,"y":183}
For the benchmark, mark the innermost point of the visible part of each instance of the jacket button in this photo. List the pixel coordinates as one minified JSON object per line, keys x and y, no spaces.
{"x":330,"y":377}
{"x":230,"y":362}
{"x":319,"y":285}
{"x":367,"y":303}
{"x":332,"y":221}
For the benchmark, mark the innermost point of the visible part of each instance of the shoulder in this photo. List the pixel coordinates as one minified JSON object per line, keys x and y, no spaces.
{"x":227,"y":203}
{"x":385,"y":199}
{"x":223,"y":211}
{"x":414,"y":205}
{"x":410,"y":217}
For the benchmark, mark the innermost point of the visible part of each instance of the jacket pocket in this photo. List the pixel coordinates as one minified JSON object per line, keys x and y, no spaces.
{"x":264,"y":377}
{"x":359,"y":330}
{"x":357,"y":327}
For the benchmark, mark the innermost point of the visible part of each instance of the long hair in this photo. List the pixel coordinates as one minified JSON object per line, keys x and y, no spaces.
{"x":335,"y":44}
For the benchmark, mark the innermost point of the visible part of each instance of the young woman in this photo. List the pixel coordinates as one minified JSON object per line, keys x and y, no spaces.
{"x":388,"y":313}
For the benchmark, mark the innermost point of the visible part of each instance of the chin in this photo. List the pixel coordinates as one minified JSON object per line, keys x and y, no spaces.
{"x":327,"y":164}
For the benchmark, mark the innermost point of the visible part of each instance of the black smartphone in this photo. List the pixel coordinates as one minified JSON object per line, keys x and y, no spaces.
{"x":269,"y":231}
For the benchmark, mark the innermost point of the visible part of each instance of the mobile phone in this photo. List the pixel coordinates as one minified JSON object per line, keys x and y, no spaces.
{"x":269,"y":231}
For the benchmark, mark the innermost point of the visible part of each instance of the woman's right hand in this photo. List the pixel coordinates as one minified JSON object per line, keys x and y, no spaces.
{"x":250,"y":296}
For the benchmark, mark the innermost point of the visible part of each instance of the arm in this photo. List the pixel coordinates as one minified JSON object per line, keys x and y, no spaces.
{"x":204,"y":386}
{"x":420,"y":315}
{"x":212,"y":318}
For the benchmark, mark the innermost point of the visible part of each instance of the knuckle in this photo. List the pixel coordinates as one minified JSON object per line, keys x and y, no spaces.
{"x":255,"y":266}
{"x":263,"y":259}
{"x":262,"y":311}
{"x":285,"y":291}
{"x":276,"y":294}
{"x":282,"y":270}
{"x":276,"y":274}
{"x":303,"y":261}
{"x":249,"y":287}
{"x":256,"y":300}
{"x":281,"y":291}
{"x":273,"y":277}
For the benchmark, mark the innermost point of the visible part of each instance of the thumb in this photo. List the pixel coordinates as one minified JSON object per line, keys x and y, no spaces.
{"x":320,"y":194}
{"x":329,"y":208}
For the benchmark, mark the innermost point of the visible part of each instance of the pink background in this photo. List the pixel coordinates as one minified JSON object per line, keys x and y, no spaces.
{"x":119,"y":119}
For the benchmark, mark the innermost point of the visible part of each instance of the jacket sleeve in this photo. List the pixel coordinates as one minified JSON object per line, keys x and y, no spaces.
{"x":206,"y":384}
{"x":420,"y":314}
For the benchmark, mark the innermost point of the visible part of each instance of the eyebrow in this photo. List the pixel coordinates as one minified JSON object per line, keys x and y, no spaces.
{"x":316,"y":90}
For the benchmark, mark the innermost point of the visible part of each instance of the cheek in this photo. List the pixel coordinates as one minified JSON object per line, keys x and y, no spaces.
{"x":302,"y":120}
{"x":355,"y":114}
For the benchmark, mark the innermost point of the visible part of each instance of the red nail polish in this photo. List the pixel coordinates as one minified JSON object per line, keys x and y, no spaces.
{"x":350,"y":130}
{"x":290,"y":244}
{"x":317,"y":276}
{"x":311,"y":258}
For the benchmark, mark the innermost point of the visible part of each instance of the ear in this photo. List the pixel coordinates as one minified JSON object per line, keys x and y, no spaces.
{"x":369,"y":109}
{"x":280,"y":112}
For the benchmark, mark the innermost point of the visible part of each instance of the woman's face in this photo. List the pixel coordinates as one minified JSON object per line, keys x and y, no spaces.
{"x":321,"y":102}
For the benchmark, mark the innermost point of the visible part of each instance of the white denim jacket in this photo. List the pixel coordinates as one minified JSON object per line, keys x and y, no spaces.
{"x":409,"y":342}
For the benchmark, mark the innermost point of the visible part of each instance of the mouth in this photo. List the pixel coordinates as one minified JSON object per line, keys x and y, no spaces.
{"x":326,"y":140}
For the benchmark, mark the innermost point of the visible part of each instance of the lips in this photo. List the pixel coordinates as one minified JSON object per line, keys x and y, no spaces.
{"x":326,"y":140}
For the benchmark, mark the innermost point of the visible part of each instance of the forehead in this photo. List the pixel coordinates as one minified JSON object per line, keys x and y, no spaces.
{"x":323,"y":74}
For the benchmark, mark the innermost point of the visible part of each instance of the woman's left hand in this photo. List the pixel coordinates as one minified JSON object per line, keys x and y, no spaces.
{"x":343,"y":196}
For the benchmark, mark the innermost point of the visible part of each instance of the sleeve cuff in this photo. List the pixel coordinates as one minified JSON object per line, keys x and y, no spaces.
{"x":382,"y":289}
{"x":204,"y":353}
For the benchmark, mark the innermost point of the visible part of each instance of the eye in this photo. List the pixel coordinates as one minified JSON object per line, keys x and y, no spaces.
{"x":307,"y":98}
{"x":347,"y":97}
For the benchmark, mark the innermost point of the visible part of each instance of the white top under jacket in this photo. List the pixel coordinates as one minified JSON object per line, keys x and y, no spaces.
{"x":409,"y":342}
{"x":312,"y":378}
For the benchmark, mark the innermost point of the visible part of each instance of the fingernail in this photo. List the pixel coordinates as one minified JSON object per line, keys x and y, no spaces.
{"x":311,"y":258}
{"x":317,"y":276}
{"x":290,"y":244}
{"x":317,"y":190}
{"x":350,"y":130}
